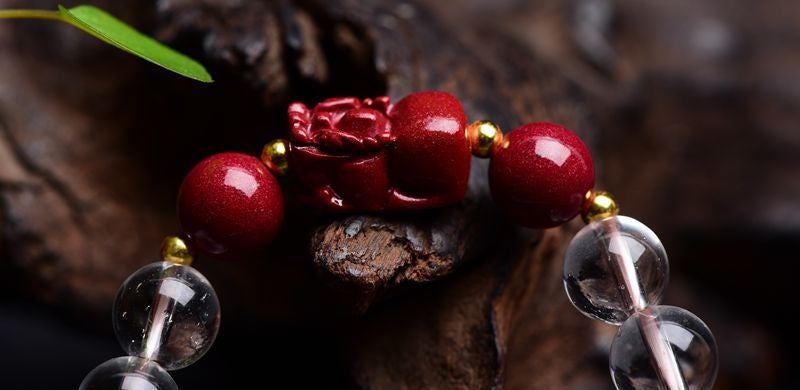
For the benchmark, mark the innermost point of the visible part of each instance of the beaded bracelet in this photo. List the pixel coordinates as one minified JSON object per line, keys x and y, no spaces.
{"x":350,"y":155}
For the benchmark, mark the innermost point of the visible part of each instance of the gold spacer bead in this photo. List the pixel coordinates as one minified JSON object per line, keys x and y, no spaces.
{"x":274,"y":156}
{"x":598,"y":205}
{"x":484,"y":137}
{"x":175,"y":250}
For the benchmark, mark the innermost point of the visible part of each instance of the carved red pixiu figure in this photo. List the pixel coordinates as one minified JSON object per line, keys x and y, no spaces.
{"x":371,"y":155}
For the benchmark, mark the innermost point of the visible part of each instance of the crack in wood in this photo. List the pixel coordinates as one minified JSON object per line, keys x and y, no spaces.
{"x":76,"y":206}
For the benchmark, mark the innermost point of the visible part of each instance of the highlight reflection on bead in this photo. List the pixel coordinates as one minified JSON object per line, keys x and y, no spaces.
{"x":274,"y":156}
{"x":664,"y":347}
{"x":175,"y":250}
{"x":128,"y":372}
{"x":484,"y":138}
{"x":615,"y":267}
{"x":598,"y":205}
{"x":230,"y":205}
{"x":540,"y":174}
{"x":168,"y":313}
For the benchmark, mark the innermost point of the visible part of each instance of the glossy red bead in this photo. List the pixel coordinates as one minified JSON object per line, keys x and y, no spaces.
{"x":540,"y":175}
{"x":350,"y":155}
{"x":230,"y":205}
{"x":430,"y":159}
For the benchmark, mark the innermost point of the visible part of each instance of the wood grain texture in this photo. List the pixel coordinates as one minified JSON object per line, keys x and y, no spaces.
{"x":93,"y":145}
{"x":427,"y":299}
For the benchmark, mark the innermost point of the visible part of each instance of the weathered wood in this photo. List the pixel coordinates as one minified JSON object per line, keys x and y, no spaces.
{"x":93,"y":145}
{"x":463,"y":262}
{"x":454,"y":333}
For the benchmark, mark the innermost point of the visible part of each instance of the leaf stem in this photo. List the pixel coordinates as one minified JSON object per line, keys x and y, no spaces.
{"x":29,"y":14}
{"x":115,"y":32}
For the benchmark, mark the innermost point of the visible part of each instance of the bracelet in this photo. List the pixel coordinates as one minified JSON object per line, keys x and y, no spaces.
{"x":347,"y":155}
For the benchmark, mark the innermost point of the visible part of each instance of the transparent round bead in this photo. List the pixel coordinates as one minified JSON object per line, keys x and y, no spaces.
{"x":614,"y":267}
{"x":664,"y":347}
{"x":168,"y":313}
{"x":128,"y":372}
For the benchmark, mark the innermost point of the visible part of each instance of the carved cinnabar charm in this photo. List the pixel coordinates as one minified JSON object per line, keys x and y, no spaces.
{"x":541,"y":174}
{"x":370,"y":155}
{"x":230,"y":205}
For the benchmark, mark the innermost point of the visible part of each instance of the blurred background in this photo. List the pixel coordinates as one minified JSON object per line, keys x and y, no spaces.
{"x":693,"y":110}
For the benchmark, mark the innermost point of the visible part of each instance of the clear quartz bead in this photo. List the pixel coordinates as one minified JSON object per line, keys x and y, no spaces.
{"x":663,"y":347}
{"x":168,"y":313}
{"x":129,"y":373}
{"x":615,"y":267}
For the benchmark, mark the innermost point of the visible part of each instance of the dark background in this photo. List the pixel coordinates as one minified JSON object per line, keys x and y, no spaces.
{"x":693,"y":110}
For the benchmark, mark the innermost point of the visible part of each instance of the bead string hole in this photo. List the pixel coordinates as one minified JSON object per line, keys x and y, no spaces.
{"x":616,"y":270}
{"x":663,"y":347}
{"x":614,"y":267}
{"x":661,"y":352}
{"x":170,"y":291}
{"x":623,"y":266}
{"x":621,"y":257}
{"x":128,"y":372}
{"x":168,"y":313}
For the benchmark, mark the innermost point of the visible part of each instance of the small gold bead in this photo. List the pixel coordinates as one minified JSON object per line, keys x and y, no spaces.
{"x":598,"y":205}
{"x":175,"y":250}
{"x":484,"y":137}
{"x":274,"y":156}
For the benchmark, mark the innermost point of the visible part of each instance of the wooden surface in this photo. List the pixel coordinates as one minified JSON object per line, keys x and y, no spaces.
{"x":93,"y":145}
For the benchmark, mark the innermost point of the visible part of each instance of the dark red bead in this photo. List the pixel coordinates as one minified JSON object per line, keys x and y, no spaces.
{"x":540,"y":175}
{"x":370,"y":155}
{"x":230,"y":205}
{"x":430,"y":159}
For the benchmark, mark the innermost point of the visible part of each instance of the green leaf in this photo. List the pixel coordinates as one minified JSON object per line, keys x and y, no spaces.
{"x":115,"y":32}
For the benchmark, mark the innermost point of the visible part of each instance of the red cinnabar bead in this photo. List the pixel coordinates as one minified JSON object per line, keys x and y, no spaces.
{"x":371,"y":155}
{"x":230,"y":205}
{"x":540,"y":175}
